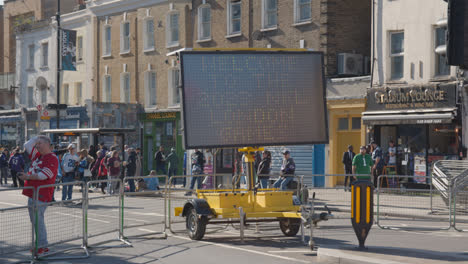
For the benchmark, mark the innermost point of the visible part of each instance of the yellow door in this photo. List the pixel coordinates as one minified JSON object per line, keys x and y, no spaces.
{"x":347,"y":135}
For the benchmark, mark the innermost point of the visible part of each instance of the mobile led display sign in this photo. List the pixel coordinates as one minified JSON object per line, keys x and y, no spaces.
{"x":253,"y":98}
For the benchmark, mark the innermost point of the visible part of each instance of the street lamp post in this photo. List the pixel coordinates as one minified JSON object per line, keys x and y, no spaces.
{"x":57,"y":17}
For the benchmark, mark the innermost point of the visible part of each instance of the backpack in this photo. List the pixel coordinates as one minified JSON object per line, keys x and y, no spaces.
{"x":196,"y":168}
{"x":102,"y":168}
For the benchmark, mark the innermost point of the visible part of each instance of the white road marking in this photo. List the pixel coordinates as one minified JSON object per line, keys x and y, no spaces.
{"x":77,"y":216}
{"x":12,"y":204}
{"x":244,"y":249}
{"x":147,"y":230}
{"x":153,"y":214}
{"x":111,"y":216}
{"x":290,"y":251}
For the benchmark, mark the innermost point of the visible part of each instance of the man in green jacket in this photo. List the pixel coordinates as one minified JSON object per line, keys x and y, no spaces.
{"x":362,"y":164}
{"x":172,"y":160}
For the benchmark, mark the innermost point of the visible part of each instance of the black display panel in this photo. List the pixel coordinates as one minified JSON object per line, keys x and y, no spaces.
{"x":247,"y":98}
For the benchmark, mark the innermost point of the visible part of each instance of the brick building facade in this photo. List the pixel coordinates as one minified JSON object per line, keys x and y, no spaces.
{"x":330,"y":26}
{"x":20,"y":15}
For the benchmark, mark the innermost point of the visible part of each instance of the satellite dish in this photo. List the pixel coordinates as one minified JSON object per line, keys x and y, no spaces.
{"x":41,"y":83}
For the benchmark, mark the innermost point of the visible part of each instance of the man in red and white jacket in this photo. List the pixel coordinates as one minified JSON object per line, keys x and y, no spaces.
{"x":43,"y":171}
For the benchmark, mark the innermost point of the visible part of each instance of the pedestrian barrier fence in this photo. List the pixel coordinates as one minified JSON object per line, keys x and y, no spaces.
{"x":15,"y":228}
{"x":446,"y":174}
{"x":91,"y":214}
{"x":174,"y":198}
{"x":141,"y":203}
{"x":57,"y":223}
{"x":411,"y":208}
{"x":104,"y":210}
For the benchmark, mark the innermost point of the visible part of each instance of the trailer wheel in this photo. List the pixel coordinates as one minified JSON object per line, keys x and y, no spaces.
{"x":196,"y":226}
{"x":290,"y":226}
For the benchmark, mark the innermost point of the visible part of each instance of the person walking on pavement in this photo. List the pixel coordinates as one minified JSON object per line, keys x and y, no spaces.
{"x":113,"y":165}
{"x":264,"y":169}
{"x":288,"y":168}
{"x":138,"y":162}
{"x":131,"y":166}
{"x":4,"y":166}
{"x":43,"y":171}
{"x":69,"y":165}
{"x":16,"y":164}
{"x":172,"y":160}
{"x":160,"y":161}
{"x":377,"y":158}
{"x":198,"y":164}
{"x":362,"y":164}
{"x":391,"y":153}
{"x":348,"y":166}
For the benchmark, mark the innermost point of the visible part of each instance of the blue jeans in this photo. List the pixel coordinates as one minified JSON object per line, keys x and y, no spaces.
{"x":282,"y":182}
{"x":41,"y":228}
{"x":67,"y":189}
{"x":264,"y":183}
{"x":199,"y":182}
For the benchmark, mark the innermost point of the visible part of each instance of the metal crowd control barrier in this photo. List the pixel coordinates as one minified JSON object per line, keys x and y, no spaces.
{"x":460,"y":210}
{"x":178,"y":201}
{"x":143,"y":202}
{"x":16,"y":233}
{"x":171,"y":198}
{"x":336,"y":198}
{"x":104,"y":213}
{"x":411,"y":209}
{"x":67,"y":220}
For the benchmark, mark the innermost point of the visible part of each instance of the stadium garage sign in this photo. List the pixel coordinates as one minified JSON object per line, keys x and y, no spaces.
{"x":253,"y":98}
{"x":442,"y":96}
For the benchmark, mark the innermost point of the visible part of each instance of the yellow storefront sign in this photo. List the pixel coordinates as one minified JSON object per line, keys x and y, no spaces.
{"x":160,"y":115}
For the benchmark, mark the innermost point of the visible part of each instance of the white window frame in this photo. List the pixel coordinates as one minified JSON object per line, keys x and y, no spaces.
{"x":148,"y":36}
{"x":173,"y":81}
{"x":201,"y":23}
{"x":230,"y":30}
{"x":151,"y":92}
{"x":43,"y":93}
{"x":107,"y":88}
{"x":44,"y":54}
{"x":106,"y":44}
{"x":124,"y":39}
{"x":170,"y":39}
{"x":297,"y":12}
{"x":31,"y":57}
{"x":125,"y":92}
{"x":66,"y":93}
{"x":437,"y":69}
{"x":266,"y":13}
{"x":79,"y":49}
{"x":30,"y":92}
{"x":392,"y":56}
{"x":79,"y":93}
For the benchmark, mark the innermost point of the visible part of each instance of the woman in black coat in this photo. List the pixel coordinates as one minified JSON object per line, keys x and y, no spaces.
{"x":264,"y":169}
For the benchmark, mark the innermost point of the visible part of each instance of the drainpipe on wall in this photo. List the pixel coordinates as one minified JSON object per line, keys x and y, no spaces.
{"x":373,"y":44}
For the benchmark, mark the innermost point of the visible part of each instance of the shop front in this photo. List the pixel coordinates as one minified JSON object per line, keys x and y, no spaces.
{"x":11,"y":130}
{"x":423,"y":122}
{"x":162,"y":128}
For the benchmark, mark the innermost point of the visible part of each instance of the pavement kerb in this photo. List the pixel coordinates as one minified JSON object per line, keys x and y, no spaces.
{"x":374,"y":255}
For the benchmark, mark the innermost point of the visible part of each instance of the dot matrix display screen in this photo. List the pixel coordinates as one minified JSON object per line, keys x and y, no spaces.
{"x":233,"y":99}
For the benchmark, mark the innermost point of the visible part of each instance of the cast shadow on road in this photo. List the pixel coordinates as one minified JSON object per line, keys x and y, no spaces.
{"x":394,"y":251}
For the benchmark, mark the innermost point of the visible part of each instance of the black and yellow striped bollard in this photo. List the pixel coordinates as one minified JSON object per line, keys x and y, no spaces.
{"x":362,"y":209}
